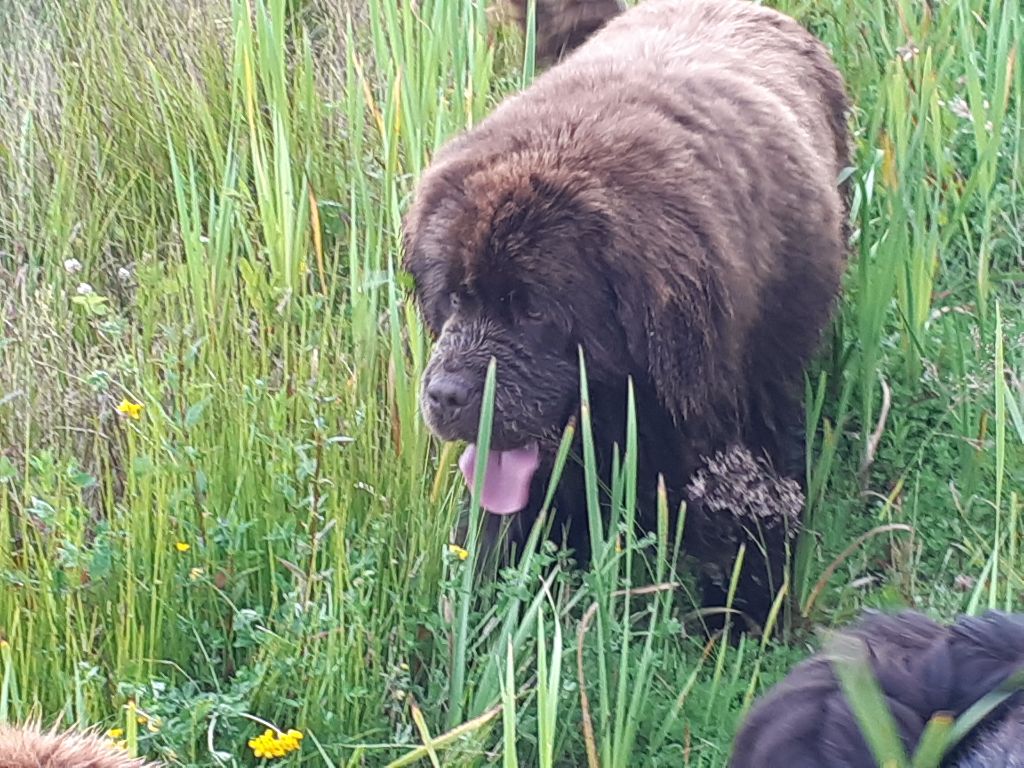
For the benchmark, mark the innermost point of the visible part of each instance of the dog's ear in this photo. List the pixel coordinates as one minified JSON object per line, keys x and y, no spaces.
{"x":674,"y":312}
{"x":426,"y":248}
{"x":415,"y":264}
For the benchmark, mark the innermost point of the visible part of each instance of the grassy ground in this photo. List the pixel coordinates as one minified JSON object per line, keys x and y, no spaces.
{"x":199,"y":209}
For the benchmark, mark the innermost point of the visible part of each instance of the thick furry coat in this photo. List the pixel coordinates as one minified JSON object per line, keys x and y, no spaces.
{"x":923,"y":668}
{"x":665,"y":197}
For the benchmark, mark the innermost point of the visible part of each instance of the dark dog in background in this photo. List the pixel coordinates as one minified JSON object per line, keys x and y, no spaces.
{"x":664,"y":198}
{"x":564,"y":25}
{"x":923,"y":668}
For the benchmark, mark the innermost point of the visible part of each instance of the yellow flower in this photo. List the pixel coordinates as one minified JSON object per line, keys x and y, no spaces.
{"x":269,"y":745}
{"x":115,"y":738}
{"x":458,"y":551}
{"x":181,"y":546}
{"x":130,"y":409}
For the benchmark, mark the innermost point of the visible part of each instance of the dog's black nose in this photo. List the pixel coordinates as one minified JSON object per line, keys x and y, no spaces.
{"x":447,"y":393}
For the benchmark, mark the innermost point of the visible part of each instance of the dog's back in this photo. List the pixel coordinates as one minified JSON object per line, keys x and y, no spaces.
{"x":753,"y":44}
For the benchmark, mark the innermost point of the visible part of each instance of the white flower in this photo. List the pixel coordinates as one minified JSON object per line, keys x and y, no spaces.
{"x":72,"y":266}
{"x":959,"y":107}
{"x":908,"y":51}
{"x":84,"y":289}
{"x":124,"y":274}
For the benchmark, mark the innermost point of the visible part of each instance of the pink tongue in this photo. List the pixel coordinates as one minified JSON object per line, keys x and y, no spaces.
{"x":506,"y":487}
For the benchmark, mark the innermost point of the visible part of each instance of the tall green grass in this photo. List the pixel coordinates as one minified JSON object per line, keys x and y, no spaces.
{"x":227,"y":180}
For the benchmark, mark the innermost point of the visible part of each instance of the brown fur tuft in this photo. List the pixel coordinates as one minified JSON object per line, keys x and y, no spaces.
{"x":734,"y":482}
{"x":29,"y":746}
{"x":742,"y":498}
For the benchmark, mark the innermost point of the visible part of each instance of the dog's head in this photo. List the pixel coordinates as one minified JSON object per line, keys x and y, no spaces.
{"x":526,"y":258}
{"x":505,"y":263}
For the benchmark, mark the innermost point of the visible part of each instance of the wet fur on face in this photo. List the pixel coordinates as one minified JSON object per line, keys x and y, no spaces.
{"x":923,"y":668}
{"x":511,"y":290}
{"x":666,"y":199}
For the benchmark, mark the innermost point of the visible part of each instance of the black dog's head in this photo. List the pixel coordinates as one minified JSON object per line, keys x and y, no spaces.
{"x":503,"y":260}
{"x":526,"y":247}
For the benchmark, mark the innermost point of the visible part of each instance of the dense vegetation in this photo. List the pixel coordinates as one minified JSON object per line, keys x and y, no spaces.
{"x":218,"y":504}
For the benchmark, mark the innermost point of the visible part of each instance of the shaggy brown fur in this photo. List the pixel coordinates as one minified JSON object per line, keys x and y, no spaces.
{"x":923,"y":668}
{"x":742,"y":492}
{"x":29,"y":746}
{"x":666,"y":199}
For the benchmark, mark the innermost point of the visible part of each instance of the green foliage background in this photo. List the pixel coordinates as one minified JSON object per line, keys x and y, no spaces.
{"x":199,"y":213}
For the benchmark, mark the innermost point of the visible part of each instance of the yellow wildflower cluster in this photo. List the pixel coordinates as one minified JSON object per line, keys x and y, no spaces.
{"x":270,"y":744}
{"x":115,"y":738}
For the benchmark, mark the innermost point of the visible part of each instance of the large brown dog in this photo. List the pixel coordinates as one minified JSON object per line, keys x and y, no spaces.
{"x":923,"y":668}
{"x":666,"y":199}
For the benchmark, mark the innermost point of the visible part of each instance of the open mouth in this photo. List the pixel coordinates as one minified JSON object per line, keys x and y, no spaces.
{"x":507,"y":477}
